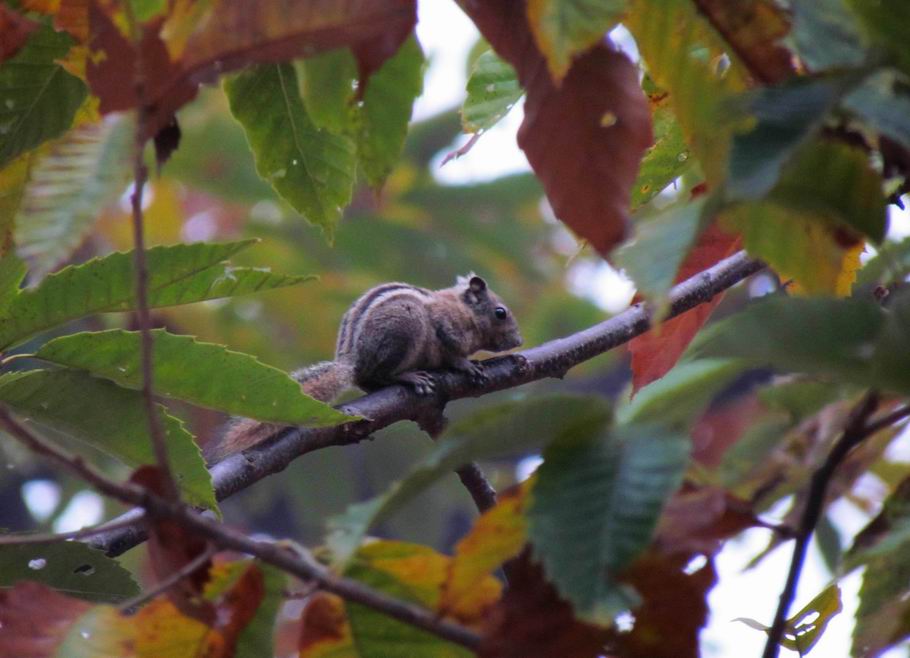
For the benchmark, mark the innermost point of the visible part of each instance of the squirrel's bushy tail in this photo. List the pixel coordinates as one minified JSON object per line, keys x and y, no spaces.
{"x":325,"y":380}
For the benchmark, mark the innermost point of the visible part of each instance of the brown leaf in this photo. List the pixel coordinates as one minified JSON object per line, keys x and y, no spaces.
{"x":34,"y":619}
{"x":584,"y":138}
{"x":228,"y":35}
{"x":111,"y":71}
{"x":674,"y":607}
{"x":14,"y":31}
{"x":324,"y":624}
{"x":718,"y":429}
{"x":655,"y":352}
{"x":531,"y":620}
{"x":754,"y":29}
{"x":171,"y":547}
{"x":698,"y":519}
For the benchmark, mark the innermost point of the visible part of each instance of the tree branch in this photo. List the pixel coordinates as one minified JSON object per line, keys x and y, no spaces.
{"x":395,"y":403}
{"x":857,"y":429}
{"x":227,"y":538}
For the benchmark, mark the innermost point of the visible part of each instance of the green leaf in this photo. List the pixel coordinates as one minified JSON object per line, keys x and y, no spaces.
{"x":327,"y":87}
{"x":883,"y":101}
{"x":311,"y":169}
{"x":565,"y":28}
{"x":519,"y":426}
{"x":665,"y":160}
{"x":786,"y":117}
{"x":72,"y":568}
{"x":814,"y":335}
{"x":386,"y":111}
{"x":680,"y":395}
{"x":889,"y":265}
{"x":39,"y":98}
{"x":680,"y":50}
{"x":826,"y":35}
{"x":885,"y":23}
{"x":110,"y":419}
{"x":12,"y":273}
{"x":797,"y":246}
{"x":179,"y":274}
{"x":834,"y":181}
{"x":83,"y":173}
{"x":202,"y":373}
{"x":492,"y":91}
{"x":594,"y":508}
{"x":660,"y":246}
{"x":882,"y":613}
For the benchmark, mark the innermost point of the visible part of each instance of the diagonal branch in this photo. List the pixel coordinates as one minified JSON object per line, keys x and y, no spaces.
{"x":395,"y":403}
{"x":226,"y":538}
{"x":857,"y":429}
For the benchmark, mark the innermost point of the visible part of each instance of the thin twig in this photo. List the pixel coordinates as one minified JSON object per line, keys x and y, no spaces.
{"x":140,"y":177}
{"x":227,"y":538}
{"x":855,"y":431}
{"x":172,"y":579}
{"x":482,"y":492}
{"x":18,"y":539}
{"x":396,"y":403}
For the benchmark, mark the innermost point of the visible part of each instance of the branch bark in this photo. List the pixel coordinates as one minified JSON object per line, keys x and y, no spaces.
{"x":395,"y":403}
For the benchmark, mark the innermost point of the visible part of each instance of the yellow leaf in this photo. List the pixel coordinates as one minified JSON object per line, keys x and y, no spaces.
{"x":498,"y":535}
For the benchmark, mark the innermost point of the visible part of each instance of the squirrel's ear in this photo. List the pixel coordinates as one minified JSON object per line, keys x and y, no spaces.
{"x":477,"y":285}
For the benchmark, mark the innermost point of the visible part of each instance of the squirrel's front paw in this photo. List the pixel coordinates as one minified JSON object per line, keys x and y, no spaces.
{"x":477,"y":373}
{"x":421,"y":381}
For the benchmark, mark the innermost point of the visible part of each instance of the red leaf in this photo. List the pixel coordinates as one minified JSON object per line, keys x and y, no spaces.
{"x":531,"y":620}
{"x":718,"y":429}
{"x":585,"y":137}
{"x":34,"y":619}
{"x":655,"y":352}
{"x":14,"y":31}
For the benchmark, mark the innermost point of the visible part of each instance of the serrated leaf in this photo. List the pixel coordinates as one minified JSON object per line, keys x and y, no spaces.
{"x":179,"y":274}
{"x":68,"y":188}
{"x":660,"y":246}
{"x":518,"y":426}
{"x":201,"y":373}
{"x":311,"y":169}
{"x":386,"y":111}
{"x":69,"y":567}
{"x":492,"y":91}
{"x":38,"y":99}
{"x":110,"y":419}
{"x":327,"y":87}
{"x":595,"y":506}
{"x":565,"y":28}
{"x":826,"y":35}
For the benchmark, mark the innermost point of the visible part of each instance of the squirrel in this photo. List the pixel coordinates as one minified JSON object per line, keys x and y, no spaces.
{"x":394,"y":333}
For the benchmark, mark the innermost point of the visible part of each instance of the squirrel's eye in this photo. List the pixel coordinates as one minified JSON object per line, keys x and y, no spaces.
{"x":501,"y":312}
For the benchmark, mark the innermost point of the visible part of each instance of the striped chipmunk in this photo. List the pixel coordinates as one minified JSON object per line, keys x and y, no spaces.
{"x":394,"y":333}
